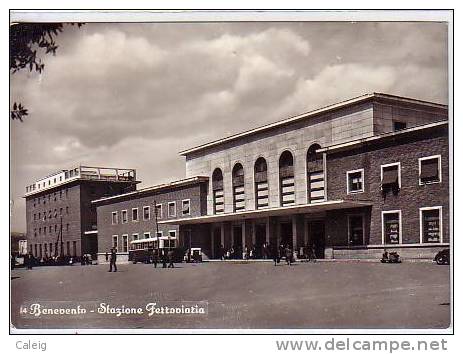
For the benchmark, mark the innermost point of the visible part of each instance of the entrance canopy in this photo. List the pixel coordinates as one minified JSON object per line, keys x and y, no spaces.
{"x":261,"y":213}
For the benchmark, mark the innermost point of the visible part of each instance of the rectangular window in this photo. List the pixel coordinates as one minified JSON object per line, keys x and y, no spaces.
{"x":134,"y":214}
{"x":159,"y":234}
{"x":392,"y":227}
{"x":67,"y":210}
{"x":431,"y":225}
{"x":124,"y":216}
{"x":114,"y":218}
{"x":125,"y":243}
{"x":356,"y":230}
{"x":399,"y":126}
{"x":355,"y":181}
{"x":430,"y":169}
{"x":186,"y":207}
{"x":146,"y":235}
{"x":171,"y":210}
{"x":159,"y":211}
{"x":115,"y":243}
{"x":390,"y":176}
{"x":146,"y":213}
{"x":74,"y":248}
{"x":68,"y":248}
{"x":134,"y":237}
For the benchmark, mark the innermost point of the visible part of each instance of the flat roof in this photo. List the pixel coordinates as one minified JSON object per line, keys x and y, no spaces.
{"x":155,"y":188}
{"x":375,"y":138}
{"x":339,"y":105}
{"x":74,"y":179}
{"x":266,"y":212}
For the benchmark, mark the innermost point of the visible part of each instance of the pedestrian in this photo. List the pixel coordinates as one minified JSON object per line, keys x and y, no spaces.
{"x":170,"y":256}
{"x":164,"y":259}
{"x":29,"y":260}
{"x":275,"y":254}
{"x":289,"y":255}
{"x":155,"y":258}
{"x":222,"y":252}
{"x":112,"y":262}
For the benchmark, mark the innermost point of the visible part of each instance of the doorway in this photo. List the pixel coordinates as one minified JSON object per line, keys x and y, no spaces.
{"x":237,"y":241}
{"x":260,"y":231}
{"x":217,"y":242}
{"x":286,"y":234}
{"x":317,"y":237}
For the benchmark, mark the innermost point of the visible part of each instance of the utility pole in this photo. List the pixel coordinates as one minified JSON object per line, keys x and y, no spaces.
{"x":61,"y":235}
{"x":156,"y":221}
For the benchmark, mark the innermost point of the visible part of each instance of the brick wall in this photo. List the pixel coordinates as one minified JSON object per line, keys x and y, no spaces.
{"x":409,"y":199}
{"x":195,"y":193}
{"x":68,"y":199}
{"x":77,"y":214}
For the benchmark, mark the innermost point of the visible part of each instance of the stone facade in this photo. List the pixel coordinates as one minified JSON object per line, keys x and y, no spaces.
{"x":344,"y":124}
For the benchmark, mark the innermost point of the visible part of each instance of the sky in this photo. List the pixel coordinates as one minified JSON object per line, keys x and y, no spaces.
{"x":134,"y":95}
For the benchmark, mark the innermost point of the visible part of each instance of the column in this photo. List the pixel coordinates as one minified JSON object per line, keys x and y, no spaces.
{"x":294,"y":227}
{"x":306,"y":232}
{"x":222,"y":234}
{"x":232,"y":236}
{"x":253,"y":232}
{"x":243,"y":234}
{"x":267,"y":230}
{"x":212,"y":229}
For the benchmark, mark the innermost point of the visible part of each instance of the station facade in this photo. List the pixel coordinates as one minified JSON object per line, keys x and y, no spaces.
{"x":347,"y":180}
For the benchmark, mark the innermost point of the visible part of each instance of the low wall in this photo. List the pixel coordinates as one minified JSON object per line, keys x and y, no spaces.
{"x":427,"y":252}
{"x":122,"y":257}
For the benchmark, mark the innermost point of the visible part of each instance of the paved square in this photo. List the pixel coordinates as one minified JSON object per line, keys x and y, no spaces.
{"x":254,"y":295}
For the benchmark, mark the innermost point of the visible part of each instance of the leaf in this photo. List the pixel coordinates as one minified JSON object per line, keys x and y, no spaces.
{"x":15,"y":106}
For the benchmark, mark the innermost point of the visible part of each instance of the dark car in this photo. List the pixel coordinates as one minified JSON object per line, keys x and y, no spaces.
{"x":443,"y":257}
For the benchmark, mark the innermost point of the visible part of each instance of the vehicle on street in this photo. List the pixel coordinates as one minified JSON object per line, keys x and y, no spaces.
{"x":443,"y":257}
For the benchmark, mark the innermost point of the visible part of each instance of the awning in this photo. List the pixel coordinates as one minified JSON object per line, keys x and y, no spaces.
{"x":390,"y":176}
{"x":261,"y":213}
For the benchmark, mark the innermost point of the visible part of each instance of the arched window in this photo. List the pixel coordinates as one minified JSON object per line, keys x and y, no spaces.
{"x":286,"y":172}
{"x":217,"y":191}
{"x":261,"y":183}
{"x":315,"y":175}
{"x":238,"y":187}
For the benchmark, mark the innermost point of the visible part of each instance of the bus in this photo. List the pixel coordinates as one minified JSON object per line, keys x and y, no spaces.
{"x":142,"y":251}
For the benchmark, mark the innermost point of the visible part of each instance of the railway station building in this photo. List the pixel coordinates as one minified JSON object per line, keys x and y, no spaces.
{"x":347,"y":180}
{"x":60,"y":219}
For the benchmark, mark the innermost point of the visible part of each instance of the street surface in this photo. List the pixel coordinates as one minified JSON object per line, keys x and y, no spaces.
{"x":254,"y":295}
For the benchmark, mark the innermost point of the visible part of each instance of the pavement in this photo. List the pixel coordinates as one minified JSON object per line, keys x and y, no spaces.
{"x":322,"y":295}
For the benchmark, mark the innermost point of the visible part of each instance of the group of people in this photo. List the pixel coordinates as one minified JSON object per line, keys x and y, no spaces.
{"x":164,"y":256}
{"x":267,"y":251}
{"x":30,"y":261}
{"x":237,"y":252}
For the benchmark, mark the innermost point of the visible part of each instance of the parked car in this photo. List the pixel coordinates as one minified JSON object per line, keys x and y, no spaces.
{"x":443,"y":257}
{"x":391,"y":257}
